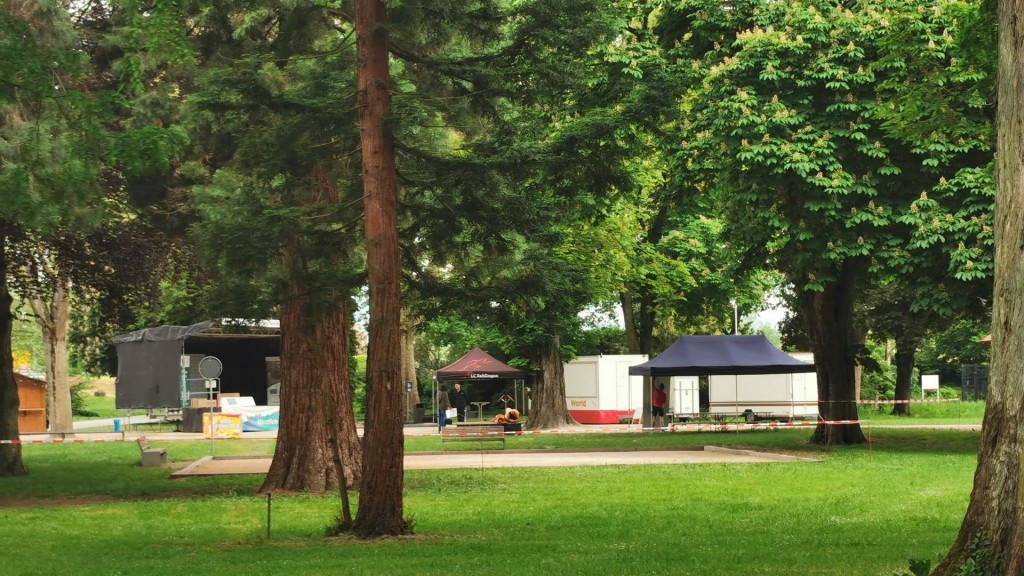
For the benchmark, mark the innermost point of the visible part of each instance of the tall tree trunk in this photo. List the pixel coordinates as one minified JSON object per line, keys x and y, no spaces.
{"x":629,"y":322}
{"x":380,"y":495}
{"x":302,"y":459}
{"x":410,"y":324}
{"x":647,"y":313}
{"x":333,"y":335}
{"x":638,"y":317}
{"x":829,"y":315}
{"x":333,"y":340}
{"x":906,"y":349}
{"x":53,"y":321}
{"x":549,"y":409}
{"x":11,"y":463}
{"x":996,"y":508}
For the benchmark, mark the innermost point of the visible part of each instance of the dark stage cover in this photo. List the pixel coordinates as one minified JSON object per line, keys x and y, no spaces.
{"x":716,"y":355}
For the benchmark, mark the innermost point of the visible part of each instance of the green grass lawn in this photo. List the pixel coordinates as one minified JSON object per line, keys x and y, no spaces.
{"x":90,"y":509}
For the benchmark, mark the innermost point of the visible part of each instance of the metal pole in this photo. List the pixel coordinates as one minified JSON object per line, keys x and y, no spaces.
{"x":269,"y":498}
{"x":210,"y":389}
{"x":735,"y":317}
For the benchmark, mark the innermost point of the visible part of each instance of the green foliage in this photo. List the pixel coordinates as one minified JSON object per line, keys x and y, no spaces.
{"x":946,"y":352}
{"x":358,"y":383}
{"x":982,"y":560}
{"x":792,"y":111}
{"x":79,"y":395}
{"x":915,"y":568}
{"x":27,"y":339}
{"x":598,"y":340}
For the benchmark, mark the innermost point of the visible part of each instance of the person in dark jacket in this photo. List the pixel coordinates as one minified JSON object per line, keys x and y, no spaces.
{"x":460,"y":401}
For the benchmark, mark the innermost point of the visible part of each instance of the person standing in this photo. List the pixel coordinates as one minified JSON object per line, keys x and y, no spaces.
{"x":460,"y":401}
{"x":443,"y":404}
{"x":658,"y":399}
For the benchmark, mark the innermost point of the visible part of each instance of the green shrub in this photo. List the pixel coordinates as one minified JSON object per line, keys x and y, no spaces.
{"x":79,"y":392}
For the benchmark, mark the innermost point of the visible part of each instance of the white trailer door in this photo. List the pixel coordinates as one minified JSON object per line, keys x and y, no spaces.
{"x":684,"y":395}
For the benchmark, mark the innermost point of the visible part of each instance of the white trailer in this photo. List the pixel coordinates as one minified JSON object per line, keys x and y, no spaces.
{"x":599,"y":389}
{"x":753,"y":396}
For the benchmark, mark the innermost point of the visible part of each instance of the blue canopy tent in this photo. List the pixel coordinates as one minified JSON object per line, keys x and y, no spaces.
{"x":714,"y":355}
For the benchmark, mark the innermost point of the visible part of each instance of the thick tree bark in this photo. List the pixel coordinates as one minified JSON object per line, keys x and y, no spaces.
{"x":829,"y":315}
{"x":629,"y":322}
{"x":380,"y":496}
{"x":302,"y":459}
{"x":549,"y":409}
{"x":53,"y":320}
{"x":333,"y":335}
{"x":996,"y":508}
{"x":11,"y":463}
{"x":906,"y":349}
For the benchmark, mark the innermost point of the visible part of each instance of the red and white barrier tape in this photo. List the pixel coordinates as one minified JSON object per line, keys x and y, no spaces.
{"x":66,"y":441}
{"x":925,"y":401}
{"x":713,"y":427}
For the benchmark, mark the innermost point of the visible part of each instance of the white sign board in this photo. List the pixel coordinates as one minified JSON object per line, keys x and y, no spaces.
{"x":236,"y":401}
{"x":930,"y":382}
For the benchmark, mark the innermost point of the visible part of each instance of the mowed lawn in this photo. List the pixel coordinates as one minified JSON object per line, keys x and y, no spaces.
{"x":90,"y":509}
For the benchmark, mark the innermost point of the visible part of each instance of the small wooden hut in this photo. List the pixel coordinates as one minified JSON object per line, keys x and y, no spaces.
{"x":32,"y":399}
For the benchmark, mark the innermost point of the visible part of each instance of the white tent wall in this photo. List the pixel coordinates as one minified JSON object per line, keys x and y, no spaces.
{"x":791,"y":396}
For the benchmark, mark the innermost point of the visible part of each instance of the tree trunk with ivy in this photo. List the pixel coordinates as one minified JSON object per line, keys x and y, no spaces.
{"x":992,"y":533}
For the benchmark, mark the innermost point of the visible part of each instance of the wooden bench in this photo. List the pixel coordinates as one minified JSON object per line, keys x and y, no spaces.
{"x":473,"y":433}
{"x":151,"y":456}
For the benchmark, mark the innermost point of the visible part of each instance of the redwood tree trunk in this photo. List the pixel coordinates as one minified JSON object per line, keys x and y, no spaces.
{"x":380,"y":496}
{"x":549,"y":409}
{"x":10,"y":454}
{"x":996,"y":508}
{"x":829,"y":315}
{"x":302,"y":459}
{"x":333,"y":331}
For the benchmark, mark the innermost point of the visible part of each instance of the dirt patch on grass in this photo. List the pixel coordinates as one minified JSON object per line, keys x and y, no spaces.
{"x":209,"y":466}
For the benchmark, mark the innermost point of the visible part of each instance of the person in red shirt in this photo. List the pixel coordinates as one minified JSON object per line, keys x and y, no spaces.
{"x":658,"y":399}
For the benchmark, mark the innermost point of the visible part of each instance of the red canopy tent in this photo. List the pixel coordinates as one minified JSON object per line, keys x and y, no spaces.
{"x":479,"y":365}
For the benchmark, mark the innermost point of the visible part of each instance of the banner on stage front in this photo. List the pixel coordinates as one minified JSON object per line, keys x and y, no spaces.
{"x":224,"y":425}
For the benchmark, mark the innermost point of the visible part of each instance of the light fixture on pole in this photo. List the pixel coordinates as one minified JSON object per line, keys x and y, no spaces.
{"x":735,"y":317}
